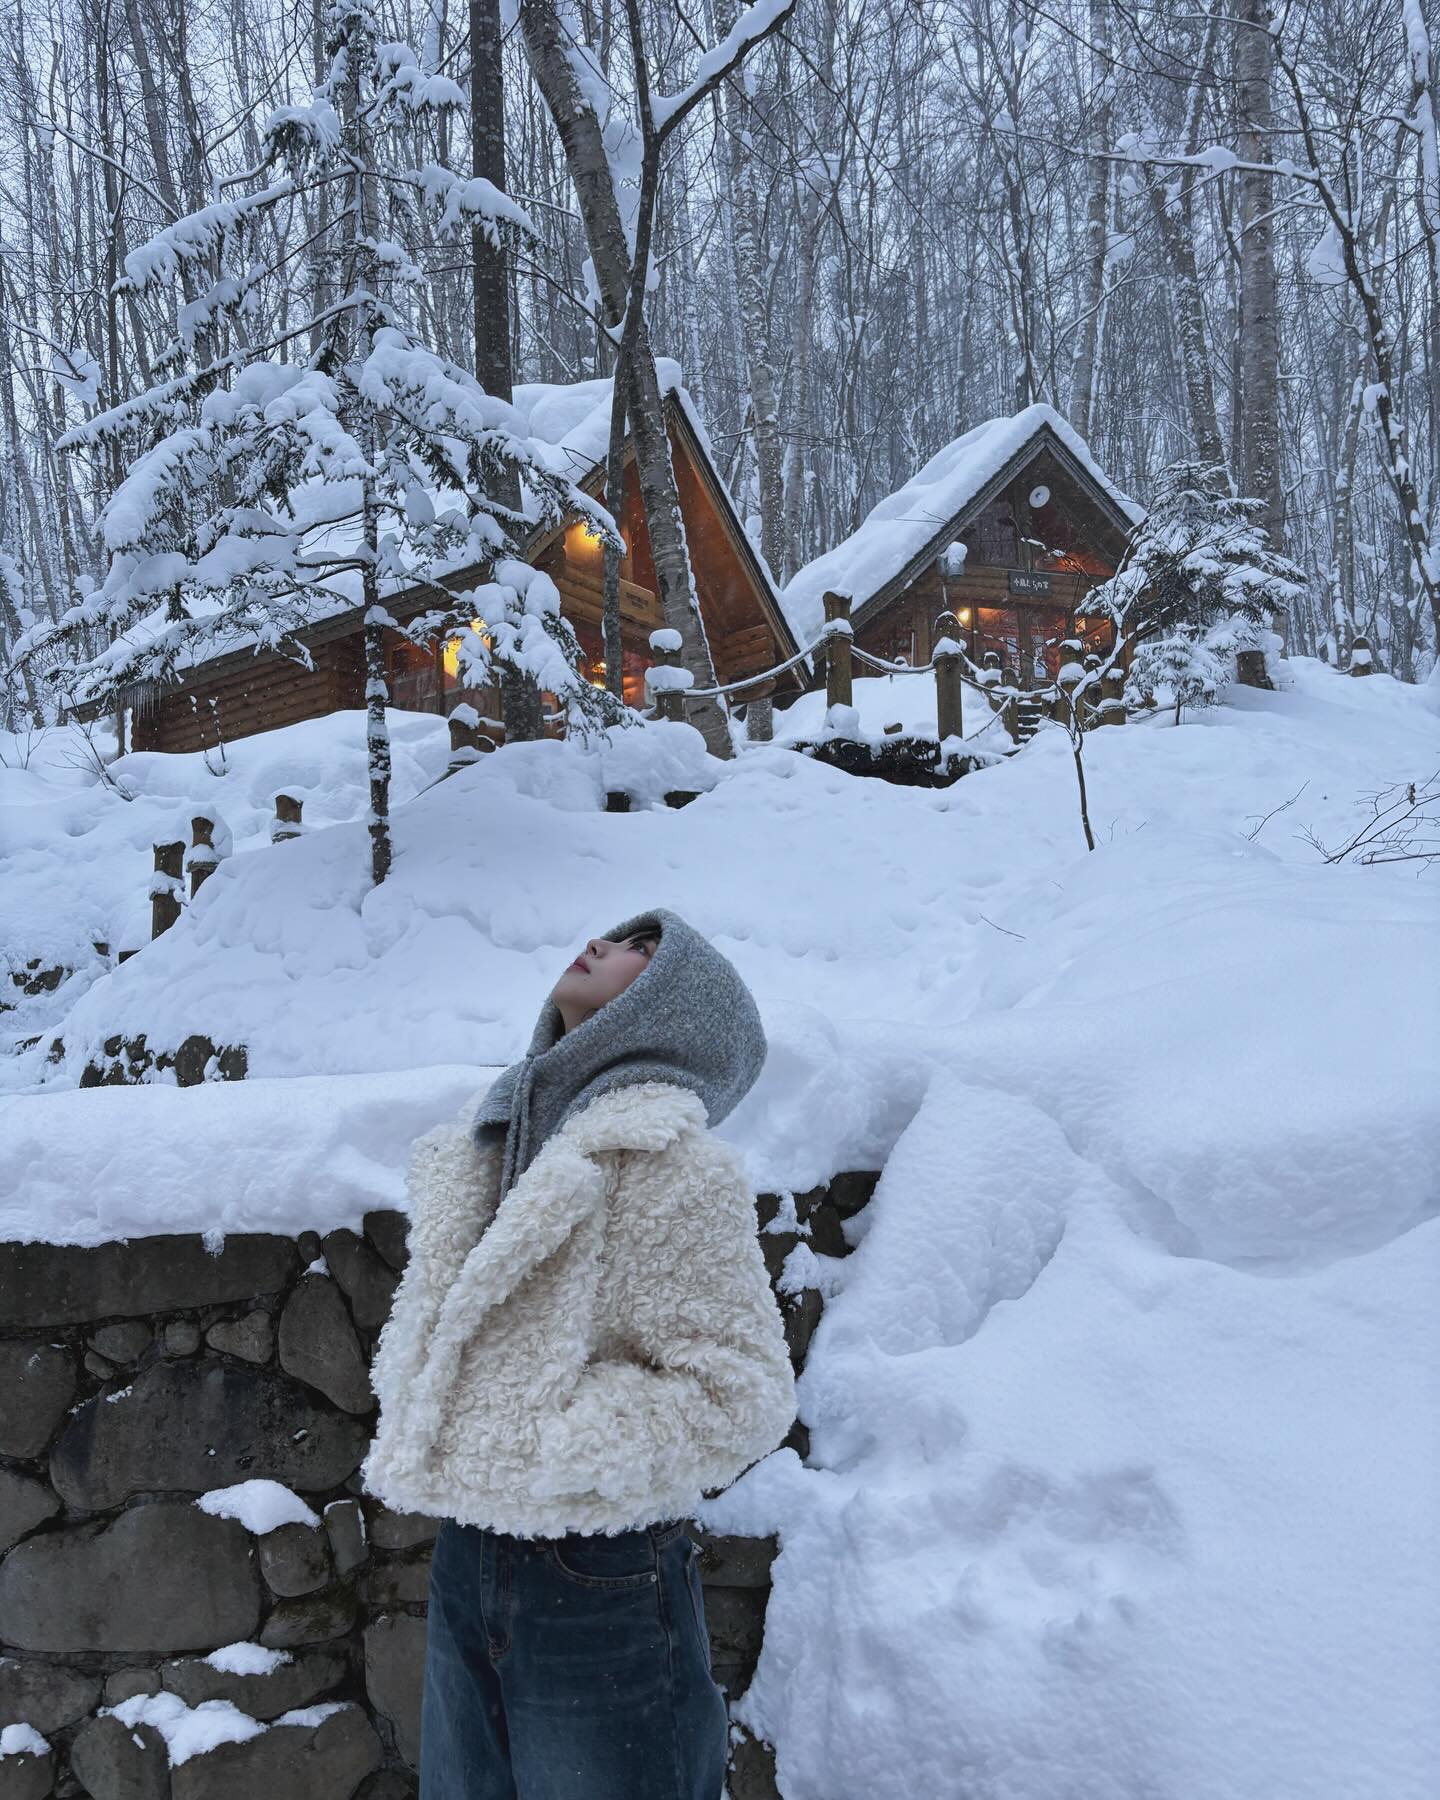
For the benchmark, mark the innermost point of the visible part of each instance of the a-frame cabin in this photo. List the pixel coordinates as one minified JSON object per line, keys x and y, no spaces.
{"x":236,"y":692}
{"x":1041,"y":524}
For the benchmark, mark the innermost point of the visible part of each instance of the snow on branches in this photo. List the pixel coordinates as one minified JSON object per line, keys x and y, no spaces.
{"x":266,"y":489}
{"x":1182,"y":665}
{"x":1201,"y":556}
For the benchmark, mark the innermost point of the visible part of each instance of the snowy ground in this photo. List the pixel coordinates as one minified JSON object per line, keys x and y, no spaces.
{"x":1125,"y":1413}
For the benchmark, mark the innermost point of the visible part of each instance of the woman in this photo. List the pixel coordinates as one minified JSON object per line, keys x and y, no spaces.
{"x":584,"y":1346}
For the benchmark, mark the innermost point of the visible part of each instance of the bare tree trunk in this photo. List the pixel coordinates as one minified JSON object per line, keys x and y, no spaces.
{"x":1260,"y":344}
{"x":1342,"y":586}
{"x":1097,"y":219}
{"x":811,"y":197}
{"x":553,"y":62}
{"x":739,"y":120}
{"x":611,"y":639}
{"x":489,"y":262}
{"x":1427,"y":204}
{"x":1175,"y":223}
{"x":521,"y":707}
{"x":1179,"y":245}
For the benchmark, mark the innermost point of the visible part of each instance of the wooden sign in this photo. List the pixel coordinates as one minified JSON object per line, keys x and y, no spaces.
{"x":1029,"y":581}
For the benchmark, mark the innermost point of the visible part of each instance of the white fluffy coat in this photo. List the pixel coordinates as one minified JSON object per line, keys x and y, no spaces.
{"x":596,"y":1353}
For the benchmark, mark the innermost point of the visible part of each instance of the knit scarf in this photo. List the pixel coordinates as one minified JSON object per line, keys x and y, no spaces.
{"x":687,"y":1018}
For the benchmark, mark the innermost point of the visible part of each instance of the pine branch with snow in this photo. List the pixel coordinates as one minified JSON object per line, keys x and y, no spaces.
{"x":1200,"y":557}
{"x":263,"y":492}
{"x":1181,"y":666}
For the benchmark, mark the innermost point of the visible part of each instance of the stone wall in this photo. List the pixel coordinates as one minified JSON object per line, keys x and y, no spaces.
{"x":137,"y":1376}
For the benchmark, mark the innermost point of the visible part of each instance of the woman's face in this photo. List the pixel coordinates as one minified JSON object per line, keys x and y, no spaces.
{"x":603,"y":969}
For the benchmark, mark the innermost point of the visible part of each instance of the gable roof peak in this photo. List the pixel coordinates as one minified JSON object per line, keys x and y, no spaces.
{"x":905,"y":524}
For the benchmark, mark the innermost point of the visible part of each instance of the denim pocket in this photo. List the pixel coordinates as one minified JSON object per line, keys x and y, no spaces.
{"x":623,"y":1559}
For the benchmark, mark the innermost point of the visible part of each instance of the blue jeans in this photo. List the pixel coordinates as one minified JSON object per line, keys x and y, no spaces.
{"x":571,"y":1668}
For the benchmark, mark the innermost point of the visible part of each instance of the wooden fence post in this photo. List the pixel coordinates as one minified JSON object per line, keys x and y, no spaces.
{"x":467,"y":742}
{"x":1112,"y":706}
{"x":286,"y":823}
{"x":665,"y":678}
{"x":949,"y":691}
{"x":166,"y":886}
{"x":990,"y":678}
{"x":838,"y":660}
{"x":1090,"y":700}
{"x":203,"y":859}
{"x":760,"y":720}
{"x":1072,"y":672}
{"x":1010,"y":703}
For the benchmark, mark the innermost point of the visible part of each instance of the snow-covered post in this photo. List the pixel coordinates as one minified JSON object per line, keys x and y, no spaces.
{"x":838,"y":640}
{"x":466,"y":742}
{"x":1072,"y":673}
{"x":202,"y":859}
{"x":760,"y":720}
{"x":1361,"y":660}
{"x":1111,"y":710}
{"x":166,"y":886}
{"x":1250,"y":670}
{"x":666,"y":679}
{"x":1090,"y":689}
{"x":990,"y":678}
{"x":286,"y":823}
{"x":946,"y":655}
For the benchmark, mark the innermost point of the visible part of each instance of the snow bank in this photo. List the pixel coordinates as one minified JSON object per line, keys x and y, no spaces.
{"x":1123,"y":1410}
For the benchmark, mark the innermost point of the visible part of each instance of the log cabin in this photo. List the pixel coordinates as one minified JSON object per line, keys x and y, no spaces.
{"x":237,"y":692}
{"x":1040,"y":523}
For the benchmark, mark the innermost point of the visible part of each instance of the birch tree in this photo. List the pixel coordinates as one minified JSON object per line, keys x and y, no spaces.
{"x":592,"y":131}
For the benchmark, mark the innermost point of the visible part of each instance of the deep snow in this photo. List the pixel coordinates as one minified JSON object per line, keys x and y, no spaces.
{"x":1125,"y":1435}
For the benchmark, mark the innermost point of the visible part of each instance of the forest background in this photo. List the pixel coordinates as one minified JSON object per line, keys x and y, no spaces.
{"x":1208,"y":232}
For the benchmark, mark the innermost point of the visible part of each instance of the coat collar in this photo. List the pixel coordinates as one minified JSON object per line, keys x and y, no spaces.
{"x":647,"y":1115}
{"x":560,"y":1189}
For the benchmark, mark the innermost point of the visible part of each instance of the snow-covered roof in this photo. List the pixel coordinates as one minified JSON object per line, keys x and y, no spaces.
{"x":906,"y":522}
{"x":572,"y":419}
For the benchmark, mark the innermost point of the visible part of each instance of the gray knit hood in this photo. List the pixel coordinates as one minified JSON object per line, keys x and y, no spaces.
{"x":686,"y":1018}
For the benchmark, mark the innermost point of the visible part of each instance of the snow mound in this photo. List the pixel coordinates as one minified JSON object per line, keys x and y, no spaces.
{"x":1122,"y":1409}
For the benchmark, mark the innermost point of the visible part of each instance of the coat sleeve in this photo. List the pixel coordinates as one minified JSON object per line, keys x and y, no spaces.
{"x":710,"y":1388}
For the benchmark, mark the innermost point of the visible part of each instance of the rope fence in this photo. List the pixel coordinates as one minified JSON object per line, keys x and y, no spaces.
{"x":1087,"y":687}
{"x":1018,"y":710}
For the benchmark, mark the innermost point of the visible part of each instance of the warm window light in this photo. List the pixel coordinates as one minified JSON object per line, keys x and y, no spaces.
{"x":964,"y":615}
{"x":583,"y":544}
{"x":452,"y":647}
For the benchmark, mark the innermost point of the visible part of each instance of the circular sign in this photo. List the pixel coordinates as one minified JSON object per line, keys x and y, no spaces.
{"x":1039,"y":495}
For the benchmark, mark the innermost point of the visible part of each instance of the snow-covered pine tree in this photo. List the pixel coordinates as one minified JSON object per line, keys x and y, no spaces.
{"x":263,"y":492}
{"x":1182,"y":662}
{"x":1199,"y":559}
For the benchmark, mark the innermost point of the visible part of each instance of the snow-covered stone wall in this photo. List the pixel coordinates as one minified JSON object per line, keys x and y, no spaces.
{"x":196,"y":1600}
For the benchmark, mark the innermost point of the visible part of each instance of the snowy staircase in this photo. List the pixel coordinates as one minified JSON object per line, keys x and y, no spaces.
{"x":1029,"y":711}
